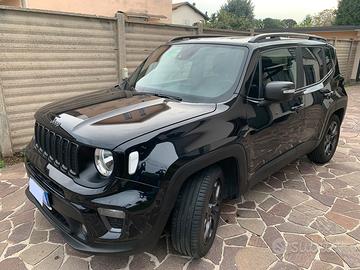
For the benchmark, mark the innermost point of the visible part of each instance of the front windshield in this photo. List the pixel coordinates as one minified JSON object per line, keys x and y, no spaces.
{"x":192,"y":72}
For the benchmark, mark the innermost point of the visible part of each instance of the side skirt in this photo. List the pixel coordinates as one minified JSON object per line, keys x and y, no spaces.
{"x":280,"y":162}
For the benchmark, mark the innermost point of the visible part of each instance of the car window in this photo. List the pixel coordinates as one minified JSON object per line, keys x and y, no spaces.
{"x":329,"y":60}
{"x":193,"y":72}
{"x":279,"y":65}
{"x":319,"y":54}
{"x":312,"y":66}
{"x":254,"y":88}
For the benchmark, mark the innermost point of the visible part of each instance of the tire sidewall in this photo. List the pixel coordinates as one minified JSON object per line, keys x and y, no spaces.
{"x":336,"y":119}
{"x":202,"y":246}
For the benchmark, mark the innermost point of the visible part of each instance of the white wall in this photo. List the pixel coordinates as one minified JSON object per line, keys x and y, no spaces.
{"x":356,"y":63}
{"x":185,"y":15}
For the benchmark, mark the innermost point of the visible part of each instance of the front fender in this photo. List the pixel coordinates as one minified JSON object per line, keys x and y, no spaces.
{"x":170,"y":189}
{"x":183,"y":173}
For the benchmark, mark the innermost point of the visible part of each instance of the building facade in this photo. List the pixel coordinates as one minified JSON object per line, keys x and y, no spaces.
{"x":155,"y":10}
{"x":186,"y":14}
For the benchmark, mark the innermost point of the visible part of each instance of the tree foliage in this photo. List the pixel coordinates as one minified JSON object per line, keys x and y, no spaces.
{"x":307,"y":22}
{"x":240,"y":8}
{"x":235,"y":14}
{"x":324,"y":18}
{"x":348,"y":12}
{"x":289,"y":23}
{"x":270,"y":23}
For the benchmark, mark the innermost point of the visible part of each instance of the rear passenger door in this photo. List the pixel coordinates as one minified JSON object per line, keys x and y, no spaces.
{"x":275,"y":127}
{"x":317,"y":71}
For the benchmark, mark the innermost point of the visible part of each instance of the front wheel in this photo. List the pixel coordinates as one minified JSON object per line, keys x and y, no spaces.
{"x":196,"y":214}
{"x":327,"y":147}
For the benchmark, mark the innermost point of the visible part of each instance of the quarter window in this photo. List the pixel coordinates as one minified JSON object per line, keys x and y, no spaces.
{"x":254,"y":90}
{"x":329,"y":60}
{"x":313,"y":63}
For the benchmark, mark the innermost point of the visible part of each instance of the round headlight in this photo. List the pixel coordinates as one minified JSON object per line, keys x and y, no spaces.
{"x":104,"y":162}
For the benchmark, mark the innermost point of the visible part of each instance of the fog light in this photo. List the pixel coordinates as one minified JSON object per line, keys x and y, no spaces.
{"x":111,"y":213}
{"x":133,"y":162}
{"x":113,"y":219}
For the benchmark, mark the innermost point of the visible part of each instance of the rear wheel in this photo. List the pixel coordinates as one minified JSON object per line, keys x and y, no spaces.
{"x":326,"y":149}
{"x":196,"y":214}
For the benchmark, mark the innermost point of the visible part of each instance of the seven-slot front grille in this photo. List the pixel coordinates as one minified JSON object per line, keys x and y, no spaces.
{"x":58,"y":150}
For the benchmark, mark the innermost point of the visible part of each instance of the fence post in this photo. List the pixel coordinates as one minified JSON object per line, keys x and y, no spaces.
{"x":348,"y":62}
{"x":199,"y":28}
{"x":121,"y":36}
{"x":5,"y":139}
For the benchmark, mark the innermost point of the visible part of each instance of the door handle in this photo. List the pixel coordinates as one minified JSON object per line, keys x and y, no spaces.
{"x":297,"y":107}
{"x":327,"y":93}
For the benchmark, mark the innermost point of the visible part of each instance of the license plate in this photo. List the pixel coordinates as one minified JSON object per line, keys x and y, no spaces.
{"x":39,"y":193}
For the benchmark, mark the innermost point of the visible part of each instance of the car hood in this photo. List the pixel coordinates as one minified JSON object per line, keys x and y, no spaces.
{"x":109,"y":118}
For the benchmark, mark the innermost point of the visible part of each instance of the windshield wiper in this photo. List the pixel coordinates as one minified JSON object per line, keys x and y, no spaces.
{"x":167,"y":96}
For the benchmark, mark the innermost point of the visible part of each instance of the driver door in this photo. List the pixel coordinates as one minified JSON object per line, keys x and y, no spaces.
{"x":274,"y":127}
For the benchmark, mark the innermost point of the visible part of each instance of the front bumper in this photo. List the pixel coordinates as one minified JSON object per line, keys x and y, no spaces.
{"x":85,"y":229}
{"x":126,"y":247}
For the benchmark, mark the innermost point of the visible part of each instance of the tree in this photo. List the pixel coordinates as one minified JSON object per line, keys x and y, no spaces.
{"x":240,"y":8}
{"x":235,"y":14}
{"x":307,"y":22}
{"x":289,"y":23}
{"x":324,"y":18}
{"x":348,"y":12}
{"x":270,"y":23}
{"x":258,"y":24}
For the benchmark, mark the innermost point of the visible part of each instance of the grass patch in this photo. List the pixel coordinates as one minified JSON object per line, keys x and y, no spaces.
{"x":10,"y":161}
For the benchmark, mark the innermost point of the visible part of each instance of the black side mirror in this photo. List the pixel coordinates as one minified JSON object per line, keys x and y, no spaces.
{"x":279,"y":91}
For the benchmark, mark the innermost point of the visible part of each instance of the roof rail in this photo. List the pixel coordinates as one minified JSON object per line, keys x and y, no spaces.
{"x":193,"y":37}
{"x":271,"y":36}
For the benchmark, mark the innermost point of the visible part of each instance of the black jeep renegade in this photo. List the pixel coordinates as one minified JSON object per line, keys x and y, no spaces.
{"x":201,"y":120}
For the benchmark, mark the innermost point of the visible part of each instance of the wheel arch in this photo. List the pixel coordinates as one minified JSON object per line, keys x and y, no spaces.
{"x":340,"y":113}
{"x":226,"y":156}
{"x":231,"y":159}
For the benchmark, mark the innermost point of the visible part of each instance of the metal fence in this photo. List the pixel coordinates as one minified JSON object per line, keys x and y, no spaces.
{"x":47,"y":56}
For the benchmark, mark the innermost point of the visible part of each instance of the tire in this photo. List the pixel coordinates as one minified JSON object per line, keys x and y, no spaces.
{"x":196,"y":215}
{"x":327,"y":147}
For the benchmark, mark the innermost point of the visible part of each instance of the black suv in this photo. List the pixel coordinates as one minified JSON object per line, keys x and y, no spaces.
{"x":201,"y":120}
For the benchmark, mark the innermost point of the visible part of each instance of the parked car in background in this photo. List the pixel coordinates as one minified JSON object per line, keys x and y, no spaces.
{"x":201,"y":120}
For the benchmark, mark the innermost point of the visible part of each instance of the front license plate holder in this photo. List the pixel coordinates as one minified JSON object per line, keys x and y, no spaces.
{"x":42,"y":196}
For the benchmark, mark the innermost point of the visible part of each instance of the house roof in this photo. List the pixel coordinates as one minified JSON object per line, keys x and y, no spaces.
{"x":181,"y":4}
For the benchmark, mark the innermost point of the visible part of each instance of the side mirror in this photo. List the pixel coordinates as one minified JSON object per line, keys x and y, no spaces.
{"x":279,"y":91}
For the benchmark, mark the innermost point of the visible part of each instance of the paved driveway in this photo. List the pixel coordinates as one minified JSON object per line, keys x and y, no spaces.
{"x":305,"y":216}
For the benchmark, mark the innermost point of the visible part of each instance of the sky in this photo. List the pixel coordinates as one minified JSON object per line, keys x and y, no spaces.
{"x":279,"y":9}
